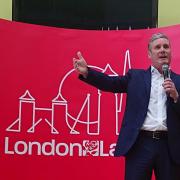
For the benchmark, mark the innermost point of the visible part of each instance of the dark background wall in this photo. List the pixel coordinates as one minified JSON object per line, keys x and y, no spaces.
{"x":88,"y":14}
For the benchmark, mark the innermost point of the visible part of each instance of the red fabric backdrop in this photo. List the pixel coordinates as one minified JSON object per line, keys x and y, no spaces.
{"x":53,"y":126}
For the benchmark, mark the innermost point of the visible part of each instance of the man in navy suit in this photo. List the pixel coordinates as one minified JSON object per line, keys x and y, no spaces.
{"x":150,"y":134}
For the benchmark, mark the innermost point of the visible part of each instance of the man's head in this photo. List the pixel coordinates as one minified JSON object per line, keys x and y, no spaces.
{"x":159,"y":50}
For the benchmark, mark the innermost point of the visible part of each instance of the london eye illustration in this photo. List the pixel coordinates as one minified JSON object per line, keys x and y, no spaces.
{"x":59,"y":108}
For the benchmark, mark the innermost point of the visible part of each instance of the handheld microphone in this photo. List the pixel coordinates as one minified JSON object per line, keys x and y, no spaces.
{"x":165,"y":71}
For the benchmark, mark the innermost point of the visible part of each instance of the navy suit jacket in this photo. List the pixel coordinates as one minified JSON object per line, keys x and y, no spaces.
{"x":137,"y":84}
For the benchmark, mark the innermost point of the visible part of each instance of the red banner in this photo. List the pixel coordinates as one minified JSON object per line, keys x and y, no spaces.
{"x":53,"y":126}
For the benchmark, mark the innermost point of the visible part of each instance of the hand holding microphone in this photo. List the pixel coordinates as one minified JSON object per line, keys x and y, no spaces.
{"x":168,"y":84}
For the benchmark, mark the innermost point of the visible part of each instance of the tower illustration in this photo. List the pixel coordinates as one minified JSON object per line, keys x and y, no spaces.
{"x":26,"y":109}
{"x":59,"y":111}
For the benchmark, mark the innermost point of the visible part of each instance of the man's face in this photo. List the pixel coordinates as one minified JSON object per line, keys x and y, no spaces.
{"x":160,"y":53}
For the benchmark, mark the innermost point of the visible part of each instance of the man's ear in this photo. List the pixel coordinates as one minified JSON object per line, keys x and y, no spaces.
{"x":149,"y":54}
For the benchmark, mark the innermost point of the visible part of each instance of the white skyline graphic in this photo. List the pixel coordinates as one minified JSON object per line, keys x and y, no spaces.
{"x":60,"y":106}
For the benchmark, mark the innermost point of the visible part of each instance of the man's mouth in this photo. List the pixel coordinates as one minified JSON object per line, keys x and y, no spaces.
{"x":163,"y":57}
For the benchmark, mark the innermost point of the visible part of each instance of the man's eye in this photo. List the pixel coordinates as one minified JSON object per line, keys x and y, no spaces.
{"x":157,"y":47}
{"x":166,"y":46}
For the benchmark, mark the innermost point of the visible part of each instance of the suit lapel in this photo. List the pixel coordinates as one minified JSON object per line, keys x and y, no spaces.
{"x":172,"y":76}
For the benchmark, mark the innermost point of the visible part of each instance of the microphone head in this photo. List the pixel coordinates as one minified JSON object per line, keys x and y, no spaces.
{"x":165,"y":71}
{"x":165,"y":67}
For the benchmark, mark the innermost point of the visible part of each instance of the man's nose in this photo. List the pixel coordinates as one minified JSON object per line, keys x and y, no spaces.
{"x":162,"y":49}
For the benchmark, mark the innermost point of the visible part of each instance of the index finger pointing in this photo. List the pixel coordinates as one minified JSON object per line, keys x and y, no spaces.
{"x":79,"y":55}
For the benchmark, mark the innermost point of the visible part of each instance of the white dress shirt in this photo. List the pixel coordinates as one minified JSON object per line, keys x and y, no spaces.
{"x":156,"y":114}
